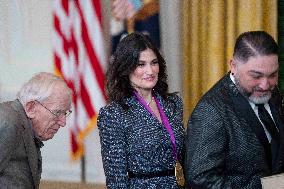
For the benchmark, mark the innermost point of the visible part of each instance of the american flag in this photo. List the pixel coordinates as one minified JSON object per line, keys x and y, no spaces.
{"x":79,"y":57}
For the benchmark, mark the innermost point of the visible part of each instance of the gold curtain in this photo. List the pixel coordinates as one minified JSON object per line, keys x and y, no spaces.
{"x":209,"y":31}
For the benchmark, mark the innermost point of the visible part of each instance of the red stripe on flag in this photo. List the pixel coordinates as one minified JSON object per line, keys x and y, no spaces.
{"x":65,"y":6}
{"x":74,"y":144}
{"x":75,"y":44}
{"x":97,"y":5}
{"x":86,"y":100}
{"x":57,"y":63}
{"x":91,"y":53}
{"x":59,"y":32}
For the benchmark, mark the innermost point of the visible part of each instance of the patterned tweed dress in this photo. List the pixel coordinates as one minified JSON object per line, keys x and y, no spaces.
{"x":134,"y":140}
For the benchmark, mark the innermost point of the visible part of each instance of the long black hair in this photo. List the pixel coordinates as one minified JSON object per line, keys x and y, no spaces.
{"x":125,"y":60}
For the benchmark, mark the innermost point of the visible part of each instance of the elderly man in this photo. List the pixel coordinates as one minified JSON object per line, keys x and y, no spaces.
{"x":236,"y":131}
{"x":41,"y":109}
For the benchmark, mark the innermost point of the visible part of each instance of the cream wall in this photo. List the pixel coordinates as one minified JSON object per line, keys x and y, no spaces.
{"x":170,"y":19}
{"x":25,"y":48}
{"x":24,"y":42}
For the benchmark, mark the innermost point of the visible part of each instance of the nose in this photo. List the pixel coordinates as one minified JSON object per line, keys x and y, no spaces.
{"x":62,"y":121}
{"x":264,"y":84}
{"x":149,"y":69}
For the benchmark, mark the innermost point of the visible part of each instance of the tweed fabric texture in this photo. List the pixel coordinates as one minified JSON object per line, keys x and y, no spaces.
{"x":226,"y":145}
{"x":133,"y":140}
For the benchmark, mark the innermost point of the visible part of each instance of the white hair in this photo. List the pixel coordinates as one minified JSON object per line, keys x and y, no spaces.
{"x":39,"y":88}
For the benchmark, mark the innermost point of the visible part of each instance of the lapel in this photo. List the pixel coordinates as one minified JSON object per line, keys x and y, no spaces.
{"x":32,"y":152}
{"x":243,"y":108}
{"x":167,"y":107}
{"x":138,"y":108}
{"x":144,"y":116}
{"x":276,"y":113}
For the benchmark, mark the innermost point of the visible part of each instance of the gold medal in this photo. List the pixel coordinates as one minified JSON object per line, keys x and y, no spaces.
{"x":179,"y":174}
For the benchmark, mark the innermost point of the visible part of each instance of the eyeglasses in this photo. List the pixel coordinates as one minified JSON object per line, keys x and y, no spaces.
{"x":57,"y":113}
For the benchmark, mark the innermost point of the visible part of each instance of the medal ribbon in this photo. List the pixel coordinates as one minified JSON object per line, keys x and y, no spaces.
{"x":164,"y":118}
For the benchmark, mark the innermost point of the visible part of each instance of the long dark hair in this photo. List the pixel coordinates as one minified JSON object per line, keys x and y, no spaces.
{"x":125,"y":60}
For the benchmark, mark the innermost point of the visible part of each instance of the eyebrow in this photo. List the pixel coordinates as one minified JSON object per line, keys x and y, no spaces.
{"x":156,"y":59}
{"x":260,"y":73}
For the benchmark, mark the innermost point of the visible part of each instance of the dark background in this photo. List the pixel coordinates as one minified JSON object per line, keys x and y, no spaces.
{"x":281,"y":43}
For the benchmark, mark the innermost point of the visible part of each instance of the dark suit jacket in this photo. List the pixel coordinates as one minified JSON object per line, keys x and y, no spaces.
{"x":20,"y":159}
{"x":226,"y":146}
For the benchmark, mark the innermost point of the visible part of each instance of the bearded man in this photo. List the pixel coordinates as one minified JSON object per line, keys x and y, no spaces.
{"x":235,"y":134}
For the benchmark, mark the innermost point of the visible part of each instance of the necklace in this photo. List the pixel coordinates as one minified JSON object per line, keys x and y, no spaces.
{"x":148,"y":103}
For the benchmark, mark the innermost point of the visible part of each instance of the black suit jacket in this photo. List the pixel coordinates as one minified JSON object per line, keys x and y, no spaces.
{"x":226,"y":146}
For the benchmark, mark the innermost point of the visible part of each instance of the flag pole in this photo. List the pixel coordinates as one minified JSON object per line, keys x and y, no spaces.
{"x":83,"y":169}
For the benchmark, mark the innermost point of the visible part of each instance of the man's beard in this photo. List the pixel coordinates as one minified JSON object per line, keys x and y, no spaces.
{"x":255,"y":99}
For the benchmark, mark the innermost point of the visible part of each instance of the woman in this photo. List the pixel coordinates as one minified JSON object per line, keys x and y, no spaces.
{"x":141,"y":129}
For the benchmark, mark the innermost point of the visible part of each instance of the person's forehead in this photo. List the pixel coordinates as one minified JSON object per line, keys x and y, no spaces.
{"x":264,"y":60}
{"x":146,"y":53}
{"x":262,"y":65}
{"x":59,"y":90}
{"x":58,"y":100}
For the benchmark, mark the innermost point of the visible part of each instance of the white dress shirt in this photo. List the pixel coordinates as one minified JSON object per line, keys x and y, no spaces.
{"x":255,"y":109}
